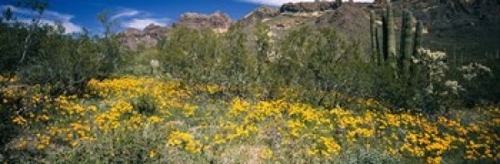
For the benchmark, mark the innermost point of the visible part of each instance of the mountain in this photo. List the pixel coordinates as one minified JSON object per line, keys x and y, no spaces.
{"x":217,"y":21}
{"x":261,"y":13}
{"x":148,"y":37}
{"x":450,"y":25}
{"x":308,"y":6}
{"x":455,"y":26}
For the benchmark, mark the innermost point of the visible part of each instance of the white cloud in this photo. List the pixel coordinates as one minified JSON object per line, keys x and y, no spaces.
{"x":281,"y":2}
{"x":68,"y":26}
{"x":131,"y":18}
{"x":126,"y":13}
{"x":141,"y":23}
{"x":58,"y":16}
{"x":49,"y":17}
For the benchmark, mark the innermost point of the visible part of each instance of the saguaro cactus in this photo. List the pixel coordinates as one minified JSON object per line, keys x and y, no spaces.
{"x":374,"y":38}
{"x":389,"y":37}
{"x":405,"y":43}
{"x":417,"y":41}
{"x":402,"y":60}
{"x":385,"y":50}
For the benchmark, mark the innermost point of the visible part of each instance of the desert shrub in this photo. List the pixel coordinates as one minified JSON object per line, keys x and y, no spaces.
{"x":123,"y":145}
{"x":220,"y":59}
{"x":316,"y":63}
{"x":360,"y":154}
{"x":11,"y":37}
{"x":434,"y":85}
{"x":68,"y":62}
{"x":189,"y":54}
{"x":320,"y":62}
{"x":40,"y":62}
{"x":145,"y":105}
{"x":18,"y":41}
{"x":237,"y":66}
{"x":480,"y":79}
{"x":419,"y":92}
{"x":64,"y":63}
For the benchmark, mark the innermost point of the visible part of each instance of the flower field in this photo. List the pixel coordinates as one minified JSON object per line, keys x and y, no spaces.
{"x":132,"y":119}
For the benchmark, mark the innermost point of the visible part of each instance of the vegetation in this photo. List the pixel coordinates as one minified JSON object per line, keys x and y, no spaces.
{"x":238,"y":97}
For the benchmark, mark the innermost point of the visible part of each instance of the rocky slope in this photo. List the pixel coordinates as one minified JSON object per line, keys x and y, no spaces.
{"x":148,"y":37}
{"x":449,"y":23}
{"x":308,"y":6}
{"x":456,"y":26}
{"x":261,"y":13}
{"x":217,"y":21}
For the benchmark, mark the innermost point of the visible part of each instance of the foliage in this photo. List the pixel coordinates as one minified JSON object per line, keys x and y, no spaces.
{"x":145,"y":105}
{"x":181,"y":60}
{"x":183,"y":129}
{"x":43,"y":54}
{"x":422,"y":80}
{"x":64,"y":63}
{"x":112,"y":58}
{"x":319,"y":62}
{"x":435,"y":86}
{"x":238,"y":67}
{"x":236,"y":97}
{"x":40,"y":62}
{"x":479,"y":78}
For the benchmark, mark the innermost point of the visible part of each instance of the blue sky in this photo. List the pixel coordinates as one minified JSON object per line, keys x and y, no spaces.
{"x":78,"y":14}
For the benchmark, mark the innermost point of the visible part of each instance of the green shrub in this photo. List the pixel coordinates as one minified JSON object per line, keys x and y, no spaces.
{"x":145,"y":105}
{"x":66,"y":62}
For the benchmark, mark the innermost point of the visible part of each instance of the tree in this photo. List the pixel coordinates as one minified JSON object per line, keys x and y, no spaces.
{"x":263,"y":45}
{"x":110,"y":46}
{"x":238,"y":65}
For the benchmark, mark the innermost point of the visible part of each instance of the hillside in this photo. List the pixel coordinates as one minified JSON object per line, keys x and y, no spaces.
{"x":450,"y":25}
{"x":296,"y":84}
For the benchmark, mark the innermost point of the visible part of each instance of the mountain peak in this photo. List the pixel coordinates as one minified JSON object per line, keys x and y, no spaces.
{"x":260,"y":13}
{"x":216,"y":20}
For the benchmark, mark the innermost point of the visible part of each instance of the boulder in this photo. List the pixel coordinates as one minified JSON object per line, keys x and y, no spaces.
{"x":308,"y":7}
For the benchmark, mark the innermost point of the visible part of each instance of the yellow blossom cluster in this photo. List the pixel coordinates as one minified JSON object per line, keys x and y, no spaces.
{"x":195,"y":127}
{"x":184,"y":140}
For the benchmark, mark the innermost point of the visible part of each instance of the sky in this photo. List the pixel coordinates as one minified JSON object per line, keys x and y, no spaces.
{"x":75,"y":15}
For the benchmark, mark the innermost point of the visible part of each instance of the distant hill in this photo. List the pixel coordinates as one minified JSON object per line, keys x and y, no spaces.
{"x":453,"y":25}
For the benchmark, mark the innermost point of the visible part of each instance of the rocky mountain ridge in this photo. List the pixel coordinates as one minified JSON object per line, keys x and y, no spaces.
{"x":261,"y":13}
{"x":308,"y":6}
{"x":148,"y":37}
{"x":217,"y":21}
{"x":444,"y":19}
